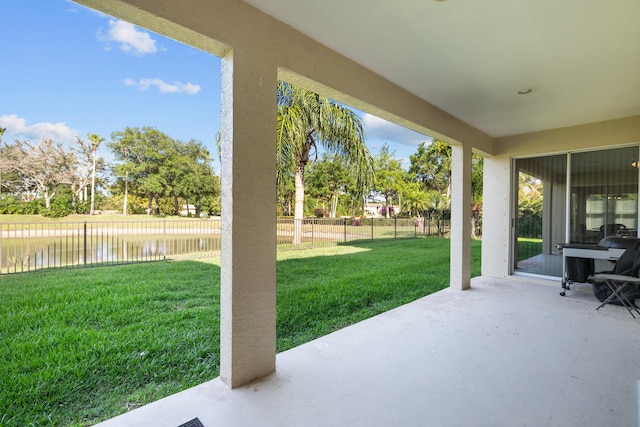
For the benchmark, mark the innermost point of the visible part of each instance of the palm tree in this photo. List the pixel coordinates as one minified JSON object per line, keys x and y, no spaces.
{"x":2,"y":131}
{"x":96,"y":140}
{"x":438,"y":203}
{"x":306,"y":119}
{"x":125,"y":202}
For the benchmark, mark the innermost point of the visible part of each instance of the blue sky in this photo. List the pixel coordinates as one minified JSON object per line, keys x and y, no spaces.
{"x":68,"y":71}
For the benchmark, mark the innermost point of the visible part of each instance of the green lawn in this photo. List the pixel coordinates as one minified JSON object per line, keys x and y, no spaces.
{"x":528,"y":247}
{"x":80,"y":218}
{"x":80,"y":346}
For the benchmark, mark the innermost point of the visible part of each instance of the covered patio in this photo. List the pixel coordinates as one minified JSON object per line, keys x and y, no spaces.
{"x":508,"y":352}
{"x":500,"y":78}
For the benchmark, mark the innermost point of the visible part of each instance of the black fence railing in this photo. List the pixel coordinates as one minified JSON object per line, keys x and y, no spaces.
{"x":35,"y":246}
{"x":316,"y":232}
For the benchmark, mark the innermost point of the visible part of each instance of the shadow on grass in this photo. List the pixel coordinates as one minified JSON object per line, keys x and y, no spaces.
{"x":318,"y":295}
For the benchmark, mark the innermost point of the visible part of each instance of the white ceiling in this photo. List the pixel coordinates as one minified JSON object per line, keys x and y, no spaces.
{"x":581,"y":58}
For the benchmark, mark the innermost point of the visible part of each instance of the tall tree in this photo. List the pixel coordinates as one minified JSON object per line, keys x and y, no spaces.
{"x":477,"y":167}
{"x":327,"y":179}
{"x":414,"y":199}
{"x":39,"y":169}
{"x":125,"y":201}
{"x":431,"y":165}
{"x":196,"y":180}
{"x":306,"y":119}
{"x":151,"y":164}
{"x":96,"y":140}
{"x":83,"y":169}
{"x":2,"y":131}
{"x":146,"y":150}
{"x":438,"y":204}
{"x":390,"y":177}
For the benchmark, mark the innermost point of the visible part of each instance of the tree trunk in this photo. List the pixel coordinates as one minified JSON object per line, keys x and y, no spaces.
{"x":387,"y":202}
{"x":47,"y":198}
{"x":126,"y":194}
{"x":74,"y":197}
{"x":473,"y":226}
{"x":333,"y":205}
{"x":93,"y":182}
{"x":298,"y":213}
{"x":176,"y":207}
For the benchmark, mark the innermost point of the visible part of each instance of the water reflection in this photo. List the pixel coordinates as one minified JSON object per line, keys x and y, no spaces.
{"x":31,"y":254}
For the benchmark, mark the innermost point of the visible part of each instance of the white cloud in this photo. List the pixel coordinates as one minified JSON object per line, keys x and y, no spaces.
{"x":164,"y":87}
{"x":131,"y":39}
{"x":380,"y":130}
{"x":18,"y":127}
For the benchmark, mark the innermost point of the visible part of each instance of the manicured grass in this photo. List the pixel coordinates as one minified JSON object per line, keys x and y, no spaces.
{"x":80,"y":346}
{"x":4,"y":219}
{"x":84,"y":345}
{"x":320,"y":294}
{"x":528,"y":247}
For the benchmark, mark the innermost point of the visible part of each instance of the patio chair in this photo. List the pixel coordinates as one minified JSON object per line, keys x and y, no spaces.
{"x":579,"y":266}
{"x":622,"y":285}
{"x":623,"y":290}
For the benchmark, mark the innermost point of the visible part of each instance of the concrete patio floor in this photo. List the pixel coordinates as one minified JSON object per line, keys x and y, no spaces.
{"x":504,"y":353}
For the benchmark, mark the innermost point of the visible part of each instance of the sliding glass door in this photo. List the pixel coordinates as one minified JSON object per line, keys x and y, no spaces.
{"x":604,"y":194}
{"x":541,"y":214}
{"x":602,"y":201}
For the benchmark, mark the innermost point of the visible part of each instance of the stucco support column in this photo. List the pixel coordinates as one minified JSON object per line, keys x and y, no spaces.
{"x":460,"y":275}
{"x":248,"y":260}
{"x":497,"y":220}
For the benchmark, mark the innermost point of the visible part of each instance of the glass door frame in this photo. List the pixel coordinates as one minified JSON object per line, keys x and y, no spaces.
{"x":568,"y":206}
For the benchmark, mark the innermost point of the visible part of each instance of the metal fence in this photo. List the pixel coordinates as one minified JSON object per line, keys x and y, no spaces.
{"x":34,"y":246}
{"x":316,"y":232}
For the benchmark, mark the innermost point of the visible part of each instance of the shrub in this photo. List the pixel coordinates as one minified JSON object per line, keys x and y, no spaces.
{"x":60,"y":207}
{"x":83,"y":207}
{"x":14,"y":206}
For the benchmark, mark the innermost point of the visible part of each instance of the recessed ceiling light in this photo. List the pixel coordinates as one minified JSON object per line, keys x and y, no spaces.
{"x":525,"y":91}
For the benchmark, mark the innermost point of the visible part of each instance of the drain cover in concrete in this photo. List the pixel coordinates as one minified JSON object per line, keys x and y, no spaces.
{"x":193,"y":423}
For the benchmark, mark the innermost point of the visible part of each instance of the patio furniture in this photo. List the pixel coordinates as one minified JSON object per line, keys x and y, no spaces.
{"x":578,"y":260}
{"x":621,"y":285}
{"x":624,"y":289}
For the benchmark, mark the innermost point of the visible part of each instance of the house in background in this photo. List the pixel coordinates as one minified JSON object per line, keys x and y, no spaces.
{"x":190,"y":210}
{"x":546,"y":89}
{"x":377,"y":210}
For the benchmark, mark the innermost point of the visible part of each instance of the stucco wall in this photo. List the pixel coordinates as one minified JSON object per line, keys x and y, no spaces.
{"x":496,"y":223}
{"x":589,"y":136}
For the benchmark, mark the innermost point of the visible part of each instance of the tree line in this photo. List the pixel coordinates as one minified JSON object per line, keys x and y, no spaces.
{"x":150,"y":172}
{"x":422,"y":189}
{"x":324,"y":168}
{"x":347,"y":176}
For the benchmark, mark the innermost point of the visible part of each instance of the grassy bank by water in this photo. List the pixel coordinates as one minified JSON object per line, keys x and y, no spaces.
{"x":4,"y":219}
{"x":80,"y":346}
